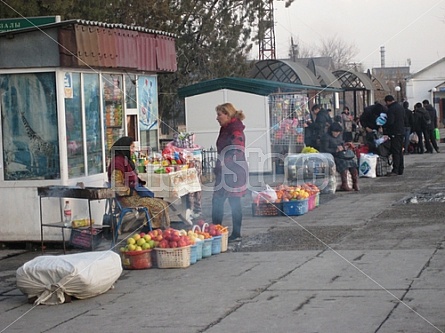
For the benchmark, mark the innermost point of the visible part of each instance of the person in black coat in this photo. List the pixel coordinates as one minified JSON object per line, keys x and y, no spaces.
{"x":432,"y":126}
{"x":408,"y":125}
{"x":332,"y":142}
{"x":368,"y":120}
{"x":317,"y":126}
{"x":395,"y":128}
{"x":421,"y":120}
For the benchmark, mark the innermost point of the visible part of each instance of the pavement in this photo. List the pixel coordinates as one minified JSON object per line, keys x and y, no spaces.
{"x":368,"y":261}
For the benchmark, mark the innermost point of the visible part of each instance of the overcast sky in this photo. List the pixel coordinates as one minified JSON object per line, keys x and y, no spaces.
{"x":408,"y":29}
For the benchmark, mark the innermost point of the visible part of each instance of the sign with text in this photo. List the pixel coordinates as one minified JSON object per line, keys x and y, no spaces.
{"x":26,"y":22}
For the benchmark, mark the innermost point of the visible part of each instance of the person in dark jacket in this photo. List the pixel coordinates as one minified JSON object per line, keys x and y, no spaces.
{"x":317,"y":126}
{"x":332,"y":142}
{"x":421,"y":119}
{"x":395,"y":128}
{"x":368,"y":120}
{"x":433,"y":125}
{"x":231,"y":171}
{"x":408,"y":125}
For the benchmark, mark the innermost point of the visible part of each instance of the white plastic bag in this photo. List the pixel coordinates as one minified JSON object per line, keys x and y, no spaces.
{"x":367,"y":165}
{"x":81,"y":275}
{"x":269,"y":195}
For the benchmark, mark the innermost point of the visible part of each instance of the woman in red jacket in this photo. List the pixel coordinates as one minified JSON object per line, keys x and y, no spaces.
{"x":231,"y":171}
{"x":123,"y":179}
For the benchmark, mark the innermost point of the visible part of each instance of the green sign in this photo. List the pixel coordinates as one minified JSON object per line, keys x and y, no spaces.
{"x":20,"y":23}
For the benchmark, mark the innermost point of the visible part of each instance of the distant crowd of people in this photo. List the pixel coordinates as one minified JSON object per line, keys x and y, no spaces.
{"x":406,"y":131}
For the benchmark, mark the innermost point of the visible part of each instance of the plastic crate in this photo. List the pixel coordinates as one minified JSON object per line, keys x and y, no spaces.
{"x":136,"y":259}
{"x":295,"y":207}
{"x":193,"y":254}
{"x":266,"y":209}
{"x":216,"y":244}
{"x":173,"y":258}
{"x":311,"y":202}
{"x":207,"y":248}
{"x":82,"y":238}
{"x":199,"y":245}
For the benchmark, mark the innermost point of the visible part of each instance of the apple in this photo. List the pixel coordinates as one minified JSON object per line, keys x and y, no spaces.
{"x":140,"y":241}
{"x":131,"y":241}
{"x":131,"y":247}
{"x":145,"y":246}
{"x":147,"y":238}
{"x":138,"y":248}
{"x":136,"y":236}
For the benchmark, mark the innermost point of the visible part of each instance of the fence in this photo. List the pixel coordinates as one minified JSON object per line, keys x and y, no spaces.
{"x":209,"y":157}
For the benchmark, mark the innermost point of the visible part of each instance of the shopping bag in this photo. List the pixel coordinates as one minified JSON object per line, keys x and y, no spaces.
{"x":413,"y":137}
{"x":436,"y":134}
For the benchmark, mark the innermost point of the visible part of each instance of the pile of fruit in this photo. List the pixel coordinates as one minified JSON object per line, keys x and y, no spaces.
{"x":309,"y":150}
{"x":172,"y":238}
{"x":140,"y":241}
{"x":300,"y":192}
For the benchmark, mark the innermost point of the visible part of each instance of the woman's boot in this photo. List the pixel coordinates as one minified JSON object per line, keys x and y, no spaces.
{"x":354,"y":175}
{"x":344,"y":181}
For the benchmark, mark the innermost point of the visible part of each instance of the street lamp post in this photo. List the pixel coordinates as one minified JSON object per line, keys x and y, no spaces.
{"x":397,"y":88}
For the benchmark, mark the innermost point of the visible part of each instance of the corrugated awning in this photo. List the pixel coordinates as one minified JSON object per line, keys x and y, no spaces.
{"x":253,"y":86}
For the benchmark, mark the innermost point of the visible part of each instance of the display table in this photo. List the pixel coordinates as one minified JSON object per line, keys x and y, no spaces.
{"x":174,"y":184}
{"x":61,"y":192}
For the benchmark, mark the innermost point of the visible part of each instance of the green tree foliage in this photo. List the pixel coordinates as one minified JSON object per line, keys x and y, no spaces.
{"x":214,"y":37}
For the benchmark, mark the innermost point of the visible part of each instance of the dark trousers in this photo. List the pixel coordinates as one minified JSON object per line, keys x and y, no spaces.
{"x":432,"y":141}
{"x":406,"y":143}
{"x":237,"y":212}
{"x":397,"y":153}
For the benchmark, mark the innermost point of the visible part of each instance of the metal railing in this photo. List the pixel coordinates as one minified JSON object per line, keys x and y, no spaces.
{"x":209,"y":157}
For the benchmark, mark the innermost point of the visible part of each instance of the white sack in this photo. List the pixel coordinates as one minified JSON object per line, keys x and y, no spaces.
{"x":367,"y":165}
{"x":81,"y":275}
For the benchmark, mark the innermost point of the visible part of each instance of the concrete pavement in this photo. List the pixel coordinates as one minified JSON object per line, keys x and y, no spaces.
{"x":360,"y":262}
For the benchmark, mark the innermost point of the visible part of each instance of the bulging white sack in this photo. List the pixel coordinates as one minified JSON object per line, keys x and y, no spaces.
{"x":81,"y":275}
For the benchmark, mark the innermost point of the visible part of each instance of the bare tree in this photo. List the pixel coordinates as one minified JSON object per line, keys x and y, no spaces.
{"x":339,"y":50}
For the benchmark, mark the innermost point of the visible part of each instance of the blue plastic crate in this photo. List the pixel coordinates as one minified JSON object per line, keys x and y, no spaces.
{"x":295,"y":207}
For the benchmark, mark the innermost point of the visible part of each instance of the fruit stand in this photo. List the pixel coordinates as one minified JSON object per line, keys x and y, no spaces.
{"x":171,"y":248}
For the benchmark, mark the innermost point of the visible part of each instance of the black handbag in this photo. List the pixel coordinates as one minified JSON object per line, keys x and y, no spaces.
{"x":346,"y":154}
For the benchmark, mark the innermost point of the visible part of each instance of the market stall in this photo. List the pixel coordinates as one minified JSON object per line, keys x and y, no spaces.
{"x":64,"y":105}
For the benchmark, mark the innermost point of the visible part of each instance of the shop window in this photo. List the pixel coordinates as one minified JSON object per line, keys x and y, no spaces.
{"x":74,"y":125}
{"x":130,"y":91}
{"x":113,"y":108}
{"x":148,"y":111}
{"x":29,"y":126}
{"x":82,"y":111}
{"x":91,"y":93}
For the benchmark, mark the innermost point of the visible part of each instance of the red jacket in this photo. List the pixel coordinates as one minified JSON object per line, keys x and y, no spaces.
{"x":231,"y":167}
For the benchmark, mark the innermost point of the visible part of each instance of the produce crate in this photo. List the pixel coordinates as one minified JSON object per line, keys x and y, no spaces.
{"x":311,"y":202}
{"x":82,"y":238}
{"x":193,"y":254}
{"x":173,"y":258}
{"x":207,"y":247}
{"x":224,"y":241}
{"x":199,"y":245}
{"x":136,"y":259}
{"x":295,"y":207}
{"x":216,"y":244}
{"x":266,"y":209}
